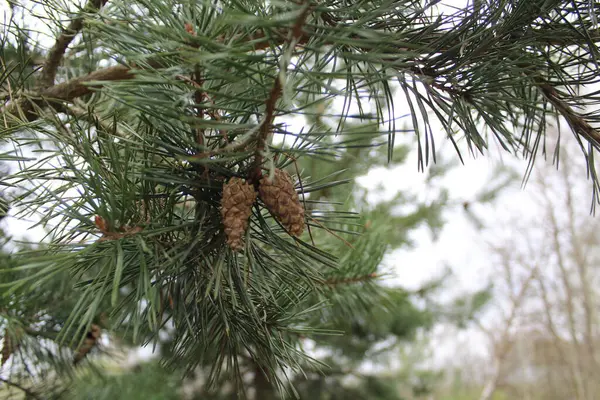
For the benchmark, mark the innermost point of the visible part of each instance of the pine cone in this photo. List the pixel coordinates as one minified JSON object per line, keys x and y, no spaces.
{"x":91,"y":339}
{"x":236,"y":207}
{"x":11,"y":344}
{"x":281,"y":199}
{"x":7,"y":349}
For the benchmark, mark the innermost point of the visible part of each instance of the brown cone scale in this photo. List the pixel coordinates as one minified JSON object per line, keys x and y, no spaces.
{"x":7,"y":349}
{"x":12,"y":342}
{"x":236,"y":207}
{"x":280,"y":197}
{"x":91,"y":339}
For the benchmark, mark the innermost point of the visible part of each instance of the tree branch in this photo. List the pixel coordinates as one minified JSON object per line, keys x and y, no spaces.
{"x":577,"y":123}
{"x":265,"y":130}
{"x":62,"y":42}
{"x":354,"y":279}
{"x":266,"y":126}
{"x":503,"y":345}
{"x":54,"y":95}
{"x":262,"y":385}
{"x":67,"y":91}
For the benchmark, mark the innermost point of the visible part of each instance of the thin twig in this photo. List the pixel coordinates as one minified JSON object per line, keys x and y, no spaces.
{"x":62,"y":42}
{"x":28,"y":392}
{"x":213,"y":114}
{"x":231,"y":147}
{"x":260,"y":40}
{"x":198,"y":98}
{"x":331,"y":232}
{"x":78,"y":111}
{"x":355,"y":279}
{"x":577,"y":123}
{"x":10,"y":92}
{"x":265,"y":129}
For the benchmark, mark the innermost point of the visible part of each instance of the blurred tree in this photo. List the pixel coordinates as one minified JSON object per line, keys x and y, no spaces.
{"x":542,"y":330}
{"x":153,"y":138}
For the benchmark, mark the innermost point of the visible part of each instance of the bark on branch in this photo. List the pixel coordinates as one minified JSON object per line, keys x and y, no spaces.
{"x":296,"y":35}
{"x":62,"y":42}
{"x":67,"y":91}
{"x":577,"y":123}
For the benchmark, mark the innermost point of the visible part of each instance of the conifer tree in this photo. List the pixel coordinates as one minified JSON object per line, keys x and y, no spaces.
{"x":157,"y":145}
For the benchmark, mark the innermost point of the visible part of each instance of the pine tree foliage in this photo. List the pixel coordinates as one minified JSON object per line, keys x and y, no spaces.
{"x":146,"y":382}
{"x":138,"y":112}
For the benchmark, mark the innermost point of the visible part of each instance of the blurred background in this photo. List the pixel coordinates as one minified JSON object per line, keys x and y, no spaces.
{"x":486,"y":282}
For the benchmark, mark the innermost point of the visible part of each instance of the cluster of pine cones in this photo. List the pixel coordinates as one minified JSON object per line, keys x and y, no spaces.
{"x":279,"y":196}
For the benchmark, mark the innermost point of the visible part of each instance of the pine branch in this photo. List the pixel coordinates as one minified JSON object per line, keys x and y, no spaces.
{"x":264,"y":388}
{"x":78,"y":87}
{"x":79,"y":111}
{"x":81,"y":86}
{"x":67,"y":91}
{"x":346,"y":281}
{"x":265,"y":129}
{"x":544,"y":36}
{"x":577,"y":123}
{"x":241,"y":302}
{"x":62,"y":42}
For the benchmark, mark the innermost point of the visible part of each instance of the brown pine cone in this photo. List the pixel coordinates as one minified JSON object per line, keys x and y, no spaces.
{"x":236,"y":207}
{"x":91,"y":339}
{"x":11,"y":344}
{"x":281,"y":199}
{"x":7,"y":349}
